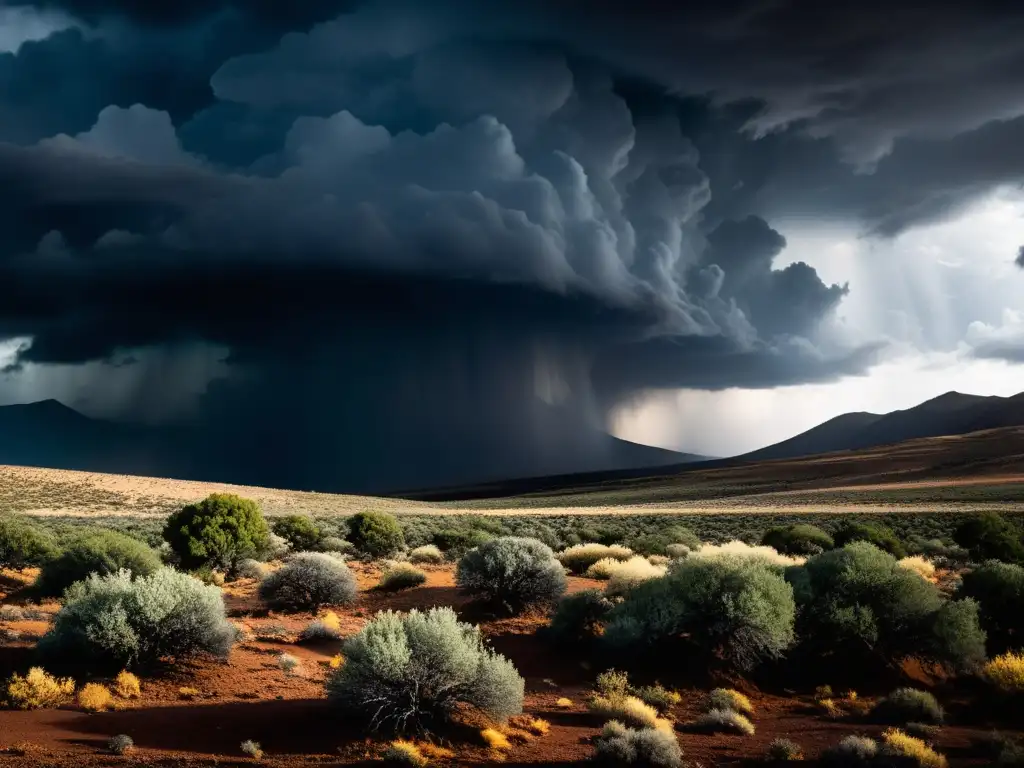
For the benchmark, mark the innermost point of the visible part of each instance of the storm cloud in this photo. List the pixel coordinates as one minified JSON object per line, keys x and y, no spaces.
{"x":440,"y":223}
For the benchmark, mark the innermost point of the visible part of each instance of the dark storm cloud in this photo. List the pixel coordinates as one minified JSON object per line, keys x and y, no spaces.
{"x":178,"y":12}
{"x":1019,"y":261}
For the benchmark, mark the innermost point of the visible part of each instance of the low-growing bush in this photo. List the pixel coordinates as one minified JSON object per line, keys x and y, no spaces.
{"x":127,"y":685}
{"x":624,"y":708}
{"x":122,"y":744}
{"x":251,"y":569}
{"x":289,"y":664}
{"x":579,"y":618}
{"x":657,"y":696}
{"x":337,"y":546}
{"x":496,"y":741}
{"x":799,"y":539}
{"x":327,"y":627}
{"x":908,"y":705}
{"x":455,"y":543}
{"x":301,"y":533}
{"x":851,"y":752}
{"x":727,"y":698}
{"x":580,"y":557}
{"x":115,"y":622}
{"x":220,"y":531}
{"x":917,"y":564}
{"x":404,"y":753}
{"x":724,"y":721}
{"x":252,"y":749}
{"x":375,"y":534}
{"x":881,"y":536}
{"x":103,"y":553}
{"x":511,"y":573}
{"x":428,"y":554}
{"x":784,"y":751}
{"x":1006,"y":672}
{"x":897,"y":744}
{"x":619,"y":745}
{"x":630,"y":573}
{"x":38,"y":689}
{"x":24,"y":544}
{"x":740,"y":549}
{"x":999,"y":591}
{"x":414,"y":670}
{"x":677,"y":551}
{"x":93,"y":697}
{"x":401,"y":576}
{"x":309,"y":581}
{"x":989,"y":536}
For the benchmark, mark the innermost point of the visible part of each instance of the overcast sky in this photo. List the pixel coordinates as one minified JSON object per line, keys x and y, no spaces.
{"x":706,"y":227}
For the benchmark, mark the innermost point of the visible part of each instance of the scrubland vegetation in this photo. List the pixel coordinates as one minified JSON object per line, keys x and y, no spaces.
{"x":669,"y":636}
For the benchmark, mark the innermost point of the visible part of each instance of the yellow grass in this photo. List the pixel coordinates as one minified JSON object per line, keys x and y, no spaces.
{"x":94,"y":697}
{"x":918,"y":565}
{"x":1006,"y":672}
{"x":899,"y":743}
{"x":495,"y":739}
{"x":39,"y":690}
{"x":564,"y":703}
{"x":404,"y":753}
{"x":434,"y":752}
{"x":728,"y":698}
{"x":336,"y":661}
{"x":188,"y":693}
{"x":331,"y":620}
{"x":626,"y":709}
{"x":127,"y":685}
{"x":830,"y":708}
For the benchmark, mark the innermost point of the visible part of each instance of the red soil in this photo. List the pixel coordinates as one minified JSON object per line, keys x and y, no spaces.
{"x":250,"y":697}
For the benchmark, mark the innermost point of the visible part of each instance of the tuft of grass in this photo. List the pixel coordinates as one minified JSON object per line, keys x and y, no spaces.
{"x":728,"y":698}
{"x":851,"y":752}
{"x":898,"y":744}
{"x":658,"y":697}
{"x":628,"y":710}
{"x":830,"y":708}
{"x":434,"y":752}
{"x":923,"y":568}
{"x":291,"y":665}
{"x":724,"y":721}
{"x":495,"y":740}
{"x":127,"y":685}
{"x":530,"y":725}
{"x":327,"y":627}
{"x":38,"y":689}
{"x":427,"y":554}
{"x":564,"y":703}
{"x":94,"y":697}
{"x":189,"y":693}
{"x":784,"y":751}
{"x":1006,"y":672}
{"x":337,"y":660}
{"x":122,"y":744}
{"x":905,"y":705}
{"x":404,"y":753}
{"x":612,"y":683}
{"x":401,"y":576}
{"x":252,"y":749}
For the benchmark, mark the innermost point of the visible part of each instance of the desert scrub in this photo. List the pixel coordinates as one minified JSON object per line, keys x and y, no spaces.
{"x":917,"y":564}
{"x":727,"y":698}
{"x":412,"y":671}
{"x":999,"y":590}
{"x":631,"y":572}
{"x":495,"y":740}
{"x":115,"y":622}
{"x":251,"y":569}
{"x":880,"y":536}
{"x":732,"y":609}
{"x":220,"y":531}
{"x":428,"y":554}
{"x":579,"y":618}
{"x":657,"y":696}
{"x":24,"y":544}
{"x":724,"y":721}
{"x":784,"y":751}
{"x":38,"y":689}
{"x":1006,"y":672}
{"x":122,"y":744}
{"x":252,"y":749}
{"x":897,"y":744}
{"x":564,"y":703}
{"x":580,"y":557}
{"x":740,"y":549}
{"x":301,"y":533}
{"x":94,"y":697}
{"x":127,"y":685}
{"x":404,"y":753}
{"x":799,"y":539}
{"x":327,"y":627}
{"x":908,"y":705}
{"x":309,"y":581}
{"x":103,"y":553}
{"x":618,"y":745}
{"x":511,"y":574}
{"x":624,"y":708}
{"x":851,"y":752}
{"x":375,"y":534}
{"x":289,"y":664}
{"x":401,"y":576}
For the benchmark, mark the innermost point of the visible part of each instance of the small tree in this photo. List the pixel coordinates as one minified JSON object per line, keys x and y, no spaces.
{"x":512,"y":573}
{"x":375,"y":533}
{"x":801,"y":539}
{"x":299,"y":531}
{"x":24,"y":545}
{"x":999,"y":590}
{"x":219,"y":531}
{"x":989,"y":536}
{"x":101,"y":552}
{"x":308,"y":581}
{"x":882,"y":537}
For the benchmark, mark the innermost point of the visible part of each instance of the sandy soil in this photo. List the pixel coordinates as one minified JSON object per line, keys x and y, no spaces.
{"x":250,"y":697}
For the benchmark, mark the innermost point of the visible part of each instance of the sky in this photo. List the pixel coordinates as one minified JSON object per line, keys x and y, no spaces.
{"x":480,"y":228}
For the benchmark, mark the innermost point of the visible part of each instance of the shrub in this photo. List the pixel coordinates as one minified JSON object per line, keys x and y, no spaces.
{"x":898,"y":744}
{"x":414,"y":670}
{"x":740,"y":549}
{"x":38,"y":689}
{"x":647,"y":747}
{"x":676,"y":551}
{"x":634,"y":571}
{"x":251,"y":569}
{"x":627,"y":709}
{"x":908,"y":705}
{"x":127,"y":685}
{"x":427,"y":554}
{"x":327,"y":627}
{"x":252,"y":749}
{"x":851,"y":752}
{"x":103,"y":553}
{"x":738,"y":610}
{"x":999,"y":590}
{"x":219,"y":531}
{"x":401,"y":576}
{"x":657,"y":696}
{"x":24,"y":545}
{"x":784,"y":751}
{"x":879,"y":535}
{"x":724,"y":721}
{"x":375,"y":534}
{"x":301,"y":533}
{"x":800,"y":539}
{"x":122,"y":744}
{"x":857,"y":602}
{"x":920,"y":566}
{"x":404,"y":753}
{"x":989,"y":536}
{"x":457,"y":542}
{"x":603,"y":569}
{"x":495,"y":740}
{"x":290,"y":665}
{"x":727,"y":698}
{"x":579,"y":617}
{"x":564,"y":703}
{"x":580,"y":557}
{"x":1006,"y":672}
{"x":511,"y":573}
{"x":115,"y":622}
{"x":336,"y":545}
{"x":94,"y":697}
{"x":309,"y":581}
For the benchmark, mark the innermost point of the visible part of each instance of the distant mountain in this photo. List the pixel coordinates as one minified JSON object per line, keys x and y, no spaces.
{"x":953,"y":413}
{"x":49,"y":434}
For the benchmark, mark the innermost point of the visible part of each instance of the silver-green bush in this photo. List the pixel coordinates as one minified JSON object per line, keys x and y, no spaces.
{"x":852,"y":751}
{"x":307,"y":582}
{"x":512,"y":573}
{"x":114,"y":622}
{"x":908,"y":705}
{"x":411,"y":671}
{"x":647,"y":747}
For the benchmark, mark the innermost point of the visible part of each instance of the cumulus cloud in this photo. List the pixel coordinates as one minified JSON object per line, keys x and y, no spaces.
{"x":999,"y":342}
{"x":1019,"y":261}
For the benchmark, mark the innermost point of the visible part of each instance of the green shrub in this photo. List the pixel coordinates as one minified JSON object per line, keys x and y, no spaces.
{"x":724,"y":721}
{"x":659,"y":543}
{"x":23,"y":544}
{"x":307,"y":582}
{"x":511,"y":573}
{"x":657,"y":696}
{"x":908,"y":705}
{"x":218,"y":531}
{"x":851,"y":752}
{"x":879,"y":535}
{"x":104,"y":552}
{"x":646,"y":747}
{"x":456,"y":543}
{"x":727,"y":698}
{"x":800,"y":539}
{"x":580,"y":557}
{"x":251,"y":569}
{"x":738,"y":610}
{"x":989,"y":536}
{"x":301,"y":533}
{"x":999,"y":590}
{"x":414,"y":670}
{"x":114,"y":622}
{"x":375,"y":534}
{"x":858,"y":603}
{"x":401,"y":576}
{"x":121,"y":744}
{"x":784,"y":751}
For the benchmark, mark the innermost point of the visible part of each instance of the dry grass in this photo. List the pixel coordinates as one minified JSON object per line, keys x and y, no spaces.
{"x":94,"y":697}
{"x":127,"y":685}
{"x":564,"y":703}
{"x":404,"y":753}
{"x":896,"y":742}
{"x":495,"y":740}
{"x":628,"y":710}
{"x":38,"y":689}
{"x":727,"y":698}
{"x":1006,"y":672}
{"x":920,"y":566}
